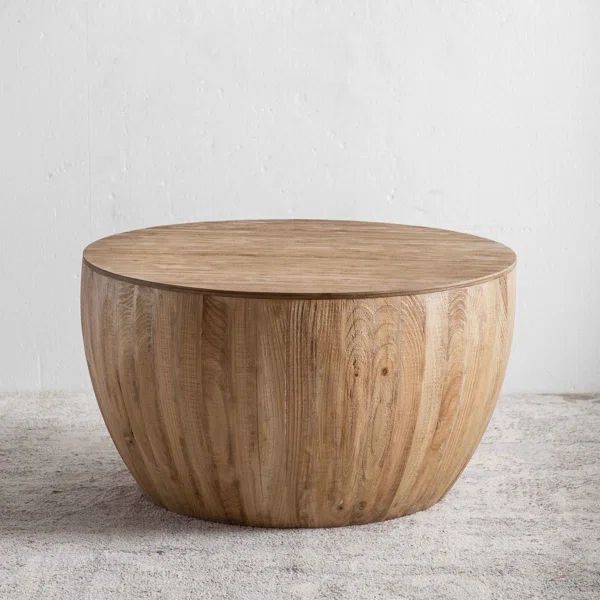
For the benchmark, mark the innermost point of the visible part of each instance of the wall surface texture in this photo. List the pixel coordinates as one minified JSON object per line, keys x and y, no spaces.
{"x":478,"y":116}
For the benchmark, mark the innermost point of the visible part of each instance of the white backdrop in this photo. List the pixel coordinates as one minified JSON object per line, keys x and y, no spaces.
{"x":476,"y":116}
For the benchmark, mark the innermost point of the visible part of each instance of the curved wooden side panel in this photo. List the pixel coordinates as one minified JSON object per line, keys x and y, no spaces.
{"x":295,"y":412}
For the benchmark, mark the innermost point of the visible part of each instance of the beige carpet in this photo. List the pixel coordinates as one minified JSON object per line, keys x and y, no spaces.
{"x":523,"y":521}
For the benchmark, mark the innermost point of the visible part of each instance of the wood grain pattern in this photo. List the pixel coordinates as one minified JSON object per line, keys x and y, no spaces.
{"x":295,"y":412}
{"x":296,"y":258}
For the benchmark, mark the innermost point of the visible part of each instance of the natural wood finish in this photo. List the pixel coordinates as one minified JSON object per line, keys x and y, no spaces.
{"x":295,"y":412}
{"x":295,"y":258}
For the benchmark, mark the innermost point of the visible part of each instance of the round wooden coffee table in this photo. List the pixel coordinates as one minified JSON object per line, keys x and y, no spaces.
{"x":296,"y":373}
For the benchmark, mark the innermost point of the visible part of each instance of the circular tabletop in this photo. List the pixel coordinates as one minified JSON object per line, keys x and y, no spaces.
{"x":300,"y":258}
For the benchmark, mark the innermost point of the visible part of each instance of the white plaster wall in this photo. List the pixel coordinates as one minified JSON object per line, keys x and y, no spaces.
{"x":477,"y":116}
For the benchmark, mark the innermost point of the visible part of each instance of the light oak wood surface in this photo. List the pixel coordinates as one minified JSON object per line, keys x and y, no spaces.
{"x":289,"y":411}
{"x":298,"y":258}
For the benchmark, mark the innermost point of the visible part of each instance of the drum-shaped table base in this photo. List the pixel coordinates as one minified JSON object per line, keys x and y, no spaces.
{"x":295,"y":412}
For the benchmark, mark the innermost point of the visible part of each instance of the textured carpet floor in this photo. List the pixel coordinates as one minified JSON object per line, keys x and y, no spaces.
{"x":523,"y":521}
